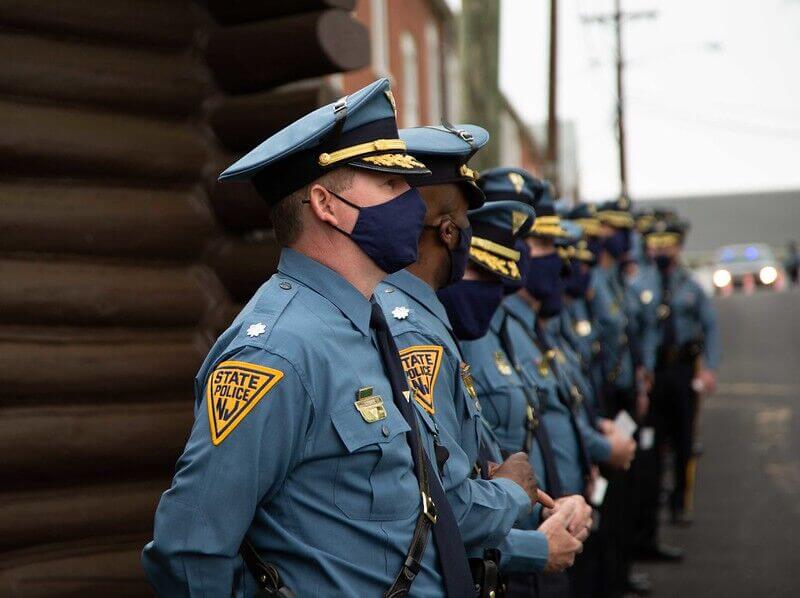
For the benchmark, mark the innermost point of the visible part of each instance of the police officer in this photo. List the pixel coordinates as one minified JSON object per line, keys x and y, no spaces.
{"x":436,"y":370}
{"x":305,"y":456}
{"x":521,"y":402}
{"x":486,"y":509}
{"x":688,"y":356}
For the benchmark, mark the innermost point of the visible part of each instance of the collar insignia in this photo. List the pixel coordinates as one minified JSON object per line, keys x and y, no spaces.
{"x":516,"y":180}
{"x":256,"y":329}
{"x":400,"y":312}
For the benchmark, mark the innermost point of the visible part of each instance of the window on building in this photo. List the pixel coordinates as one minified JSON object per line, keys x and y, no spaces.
{"x":433,"y":62}
{"x":410,"y":116}
{"x":379,"y":30}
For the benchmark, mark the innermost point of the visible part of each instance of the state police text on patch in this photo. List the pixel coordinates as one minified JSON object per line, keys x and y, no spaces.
{"x":232,"y":390}
{"x":421,"y":365}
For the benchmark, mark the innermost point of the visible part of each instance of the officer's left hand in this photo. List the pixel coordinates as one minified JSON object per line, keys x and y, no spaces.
{"x":706,"y":380}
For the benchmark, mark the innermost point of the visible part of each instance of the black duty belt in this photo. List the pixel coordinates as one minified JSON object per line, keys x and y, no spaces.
{"x":675,"y":354}
{"x":267,"y":577}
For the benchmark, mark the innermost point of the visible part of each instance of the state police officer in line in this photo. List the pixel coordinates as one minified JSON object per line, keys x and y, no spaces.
{"x":306,"y":461}
{"x":688,"y":355}
{"x":485,"y":508}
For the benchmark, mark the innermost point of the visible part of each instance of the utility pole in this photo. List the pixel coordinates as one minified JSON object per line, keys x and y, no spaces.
{"x":552,"y":156}
{"x":623,"y":170}
{"x":617,"y":19}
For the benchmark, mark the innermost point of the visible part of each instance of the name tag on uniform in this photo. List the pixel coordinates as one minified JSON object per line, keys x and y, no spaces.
{"x":370,"y":406}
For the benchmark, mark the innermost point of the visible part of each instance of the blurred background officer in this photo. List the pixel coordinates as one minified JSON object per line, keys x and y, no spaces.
{"x":792,"y":261}
{"x":494,"y":265}
{"x":305,"y":452}
{"x":485,"y":508}
{"x":688,"y":356}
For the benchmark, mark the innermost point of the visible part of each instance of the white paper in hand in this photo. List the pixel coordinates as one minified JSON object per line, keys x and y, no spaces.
{"x":647,"y":438}
{"x":625,"y":424}
{"x":599,"y":491}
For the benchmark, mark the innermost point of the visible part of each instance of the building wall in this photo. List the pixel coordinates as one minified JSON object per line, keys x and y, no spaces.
{"x":410,"y":20}
{"x":122,"y":258}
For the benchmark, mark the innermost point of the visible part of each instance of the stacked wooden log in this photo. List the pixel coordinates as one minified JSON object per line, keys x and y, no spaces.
{"x":121,"y":258}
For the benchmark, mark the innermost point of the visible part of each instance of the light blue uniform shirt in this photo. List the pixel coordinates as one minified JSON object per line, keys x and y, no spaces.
{"x":328,"y":498}
{"x":609,"y":308}
{"x":643,"y":293}
{"x":521,"y":329}
{"x":485,"y":509}
{"x":694,"y":316}
{"x":572,"y":379}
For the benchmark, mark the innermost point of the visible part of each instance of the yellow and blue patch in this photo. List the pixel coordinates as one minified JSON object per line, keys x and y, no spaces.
{"x":232,"y":390}
{"x":421,"y":364}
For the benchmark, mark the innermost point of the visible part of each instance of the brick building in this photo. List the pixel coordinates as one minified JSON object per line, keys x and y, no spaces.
{"x":416,"y":44}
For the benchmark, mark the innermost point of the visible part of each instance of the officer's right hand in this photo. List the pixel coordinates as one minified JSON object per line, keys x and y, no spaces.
{"x":518,"y":469}
{"x":623,"y":450}
{"x":561,"y":545}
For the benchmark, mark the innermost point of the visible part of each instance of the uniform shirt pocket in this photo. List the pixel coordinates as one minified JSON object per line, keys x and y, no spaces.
{"x":375,"y":478}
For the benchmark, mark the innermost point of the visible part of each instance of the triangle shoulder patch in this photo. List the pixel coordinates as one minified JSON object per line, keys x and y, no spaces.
{"x":421,"y":364}
{"x":232,"y":390}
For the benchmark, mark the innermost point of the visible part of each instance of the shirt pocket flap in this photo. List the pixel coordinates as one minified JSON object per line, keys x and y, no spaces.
{"x":356,"y":433}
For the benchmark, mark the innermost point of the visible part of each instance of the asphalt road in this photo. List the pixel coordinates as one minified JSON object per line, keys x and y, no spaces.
{"x":746,"y":537}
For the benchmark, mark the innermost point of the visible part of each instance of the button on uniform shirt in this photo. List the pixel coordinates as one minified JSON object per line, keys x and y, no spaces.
{"x":644,"y":292}
{"x":503,"y":395}
{"x":280,"y":452}
{"x":579,"y":329}
{"x":597,"y":445}
{"x":485,"y":509}
{"x":611,"y":319}
{"x":693,"y":316}
{"x":521,"y":329}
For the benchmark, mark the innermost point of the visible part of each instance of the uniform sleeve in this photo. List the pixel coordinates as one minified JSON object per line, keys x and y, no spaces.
{"x":202,"y":519}
{"x":648,"y":330}
{"x":597,"y":445}
{"x":524,"y":551}
{"x":484,"y":509}
{"x":708,"y":322}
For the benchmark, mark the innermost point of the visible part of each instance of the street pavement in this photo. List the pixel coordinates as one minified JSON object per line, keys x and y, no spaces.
{"x":745,"y":541}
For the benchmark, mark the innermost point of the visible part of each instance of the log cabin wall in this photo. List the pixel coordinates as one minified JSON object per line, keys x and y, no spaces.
{"x":121,"y":258}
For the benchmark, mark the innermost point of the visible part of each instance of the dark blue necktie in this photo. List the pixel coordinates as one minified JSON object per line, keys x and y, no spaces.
{"x":450,"y":546}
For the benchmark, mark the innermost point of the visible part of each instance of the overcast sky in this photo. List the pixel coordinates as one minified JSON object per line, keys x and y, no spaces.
{"x":713,"y":91}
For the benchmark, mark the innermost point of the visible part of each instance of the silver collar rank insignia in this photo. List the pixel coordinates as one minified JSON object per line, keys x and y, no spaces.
{"x":400,"y":312}
{"x":256,"y":329}
{"x":369,"y":405}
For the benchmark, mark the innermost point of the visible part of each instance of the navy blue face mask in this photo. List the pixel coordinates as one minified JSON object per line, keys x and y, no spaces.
{"x":512,"y":286}
{"x":545,"y":283}
{"x":470,"y":305}
{"x":618,"y":244}
{"x":595,"y":245}
{"x":389,"y":232}
{"x":663,"y":262}
{"x":577,"y":283}
{"x":460,"y":255}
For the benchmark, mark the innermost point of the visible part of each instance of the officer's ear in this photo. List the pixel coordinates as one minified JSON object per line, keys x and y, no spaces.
{"x":322,"y":204}
{"x":448,"y":233}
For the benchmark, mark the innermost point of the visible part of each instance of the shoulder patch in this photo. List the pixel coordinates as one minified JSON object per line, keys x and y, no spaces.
{"x":232,"y":390}
{"x":421,"y":364}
